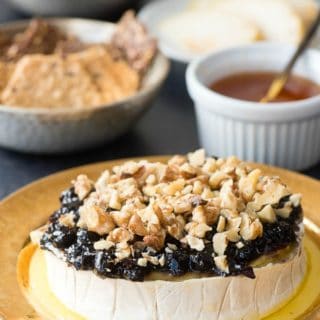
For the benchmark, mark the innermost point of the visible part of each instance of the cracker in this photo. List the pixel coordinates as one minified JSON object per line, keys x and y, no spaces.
{"x":132,"y":42}
{"x":50,"y":82}
{"x":70,"y":45}
{"x":6,"y":70}
{"x":115,"y":79}
{"x":38,"y":37}
{"x":5,"y":42}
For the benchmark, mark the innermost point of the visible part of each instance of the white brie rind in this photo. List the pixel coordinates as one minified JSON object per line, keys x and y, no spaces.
{"x":230,"y":298}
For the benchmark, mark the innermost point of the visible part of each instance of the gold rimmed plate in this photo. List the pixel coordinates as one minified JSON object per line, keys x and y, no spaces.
{"x":30,"y":207}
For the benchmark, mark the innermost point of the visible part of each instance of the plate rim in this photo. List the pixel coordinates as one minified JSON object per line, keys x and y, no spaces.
{"x":59,"y":176}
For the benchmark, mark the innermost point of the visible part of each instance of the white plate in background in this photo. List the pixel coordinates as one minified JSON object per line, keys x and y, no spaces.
{"x":155,"y":12}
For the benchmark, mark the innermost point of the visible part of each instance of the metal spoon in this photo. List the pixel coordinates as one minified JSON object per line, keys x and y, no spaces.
{"x":279,"y":82}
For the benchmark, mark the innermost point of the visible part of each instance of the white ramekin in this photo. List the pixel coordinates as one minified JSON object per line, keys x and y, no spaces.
{"x":283,"y":134}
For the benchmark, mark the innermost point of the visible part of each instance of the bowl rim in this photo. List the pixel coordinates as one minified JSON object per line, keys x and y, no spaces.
{"x":147,"y":12}
{"x":69,"y":110}
{"x":199,"y":91}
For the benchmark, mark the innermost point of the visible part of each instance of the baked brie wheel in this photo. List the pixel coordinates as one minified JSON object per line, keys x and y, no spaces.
{"x":195,"y":238}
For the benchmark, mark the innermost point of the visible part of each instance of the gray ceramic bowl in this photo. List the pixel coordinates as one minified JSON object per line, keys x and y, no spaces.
{"x":38,"y":130}
{"x":83,"y":8}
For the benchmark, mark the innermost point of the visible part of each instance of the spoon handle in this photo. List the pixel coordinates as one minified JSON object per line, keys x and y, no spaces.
{"x":304,"y":43}
{"x":280,"y":81}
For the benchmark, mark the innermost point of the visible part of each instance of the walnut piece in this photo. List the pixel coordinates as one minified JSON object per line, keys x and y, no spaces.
{"x":95,"y":219}
{"x":222,"y":263}
{"x":155,"y":241}
{"x":221,"y":224}
{"x":248,"y":184}
{"x":103,"y":245}
{"x":285,"y":211}
{"x":267,"y":214}
{"x":119,"y":235}
{"x":67,"y":220}
{"x":197,"y":158}
{"x":250,"y":230}
{"x":295,"y":199}
{"x":220,"y":243}
{"x":136,"y":226}
{"x":195,"y":243}
{"x":82,"y":186}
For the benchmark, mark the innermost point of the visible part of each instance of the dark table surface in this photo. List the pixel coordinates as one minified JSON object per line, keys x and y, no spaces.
{"x":168,"y":127}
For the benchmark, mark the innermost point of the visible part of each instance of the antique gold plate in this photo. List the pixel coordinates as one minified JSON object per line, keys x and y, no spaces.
{"x":30,"y":207}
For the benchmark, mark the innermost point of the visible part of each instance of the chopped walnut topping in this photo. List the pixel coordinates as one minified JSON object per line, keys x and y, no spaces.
{"x":174,"y":187}
{"x":151,"y":179}
{"x":233,"y":229}
{"x":248,"y":184}
{"x":121,"y":218}
{"x":217,"y":178}
{"x":199,"y":214}
{"x":177,"y":228}
{"x":285,"y":211}
{"x":221,"y":224}
{"x":233,"y":235}
{"x":129,"y":169}
{"x":188,"y":171}
{"x":182,"y":204}
{"x":295,"y":199}
{"x":136,"y":226}
{"x":153,"y":260}
{"x":197,"y":187}
{"x":103,"y":245}
{"x":67,"y":220}
{"x":162,"y":260}
{"x":114,"y":202}
{"x":103,"y":181}
{"x":250,"y":230}
{"x":234,"y":223}
{"x":177,"y":160}
{"x":172,"y":246}
{"x":82,"y":186}
{"x":197,"y":158}
{"x":186,"y":199}
{"x":142,"y":262}
{"x":220,"y":243}
{"x":155,"y":241}
{"x":123,"y":251}
{"x":273,"y":192}
{"x":228,"y":199}
{"x":95,"y":219}
{"x":187,"y":189}
{"x":195,"y":243}
{"x":240,"y":245}
{"x":222,"y":263}
{"x":196,"y":229}
{"x":207,"y":194}
{"x":119,"y":235}
{"x":212,"y":213}
{"x":209,"y":166}
{"x":267,"y":214}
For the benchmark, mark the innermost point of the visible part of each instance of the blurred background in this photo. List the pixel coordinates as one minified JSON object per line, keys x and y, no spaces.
{"x":168,"y":127}
{"x":108,"y":10}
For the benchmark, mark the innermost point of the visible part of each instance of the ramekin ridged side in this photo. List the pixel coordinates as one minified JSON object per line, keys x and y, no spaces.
{"x":281,"y":134}
{"x":295,"y":145}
